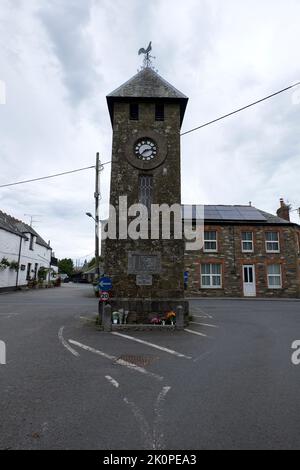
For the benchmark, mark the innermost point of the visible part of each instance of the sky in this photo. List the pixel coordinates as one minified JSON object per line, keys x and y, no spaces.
{"x":60,"y":58}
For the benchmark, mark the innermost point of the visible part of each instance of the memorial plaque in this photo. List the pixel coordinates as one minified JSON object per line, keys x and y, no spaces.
{"x":144,"y":280}
{"x":144,"y":263}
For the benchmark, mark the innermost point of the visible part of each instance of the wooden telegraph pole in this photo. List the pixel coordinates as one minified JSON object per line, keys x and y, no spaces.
{"x":97,"y":197}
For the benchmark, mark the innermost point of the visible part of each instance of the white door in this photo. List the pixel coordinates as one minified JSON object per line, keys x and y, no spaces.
{"x":249,"y":280}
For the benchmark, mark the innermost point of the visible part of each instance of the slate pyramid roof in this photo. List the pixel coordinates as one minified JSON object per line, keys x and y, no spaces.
{"x":147,"y":84}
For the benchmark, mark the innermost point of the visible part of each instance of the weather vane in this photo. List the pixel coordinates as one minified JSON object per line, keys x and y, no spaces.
{"x":147,"y":57}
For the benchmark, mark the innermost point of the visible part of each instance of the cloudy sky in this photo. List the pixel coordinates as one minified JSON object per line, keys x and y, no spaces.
{"x":60,"y":58}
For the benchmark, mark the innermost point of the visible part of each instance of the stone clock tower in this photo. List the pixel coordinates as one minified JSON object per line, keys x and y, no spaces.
{"x":146,"y":114}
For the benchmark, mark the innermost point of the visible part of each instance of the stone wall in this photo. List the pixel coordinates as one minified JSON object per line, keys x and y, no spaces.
{"x":232,"y":259}
{"x":168,"y":283}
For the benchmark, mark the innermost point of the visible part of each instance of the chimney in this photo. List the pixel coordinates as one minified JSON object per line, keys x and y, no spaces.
{"x":284,"y":210}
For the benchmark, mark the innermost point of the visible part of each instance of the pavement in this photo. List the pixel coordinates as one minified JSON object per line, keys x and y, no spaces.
{"x":226,"y":382}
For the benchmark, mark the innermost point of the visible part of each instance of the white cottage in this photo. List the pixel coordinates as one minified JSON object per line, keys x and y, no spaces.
{"x":22,"y":253}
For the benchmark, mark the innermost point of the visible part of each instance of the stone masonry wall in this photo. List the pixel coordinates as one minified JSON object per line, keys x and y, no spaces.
{"x":232,"y":259}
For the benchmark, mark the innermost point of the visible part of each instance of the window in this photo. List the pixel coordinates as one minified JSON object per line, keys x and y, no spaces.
{"x":159,"y":112}
{"x":31,"y":242}
{"x":28,"y":271}
{"x":145,"y":191}
{"x":134,"y":111}
{"x":272,"y":242}
{"x":210,"y":241}
{"x":35,"y":270}
{"x":211,"y":276}
{"x":247,"y":242}
{"x":274,"y":276}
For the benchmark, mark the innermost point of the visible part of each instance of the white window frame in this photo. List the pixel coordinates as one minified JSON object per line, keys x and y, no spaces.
{"x":274,"y":276}
{"x":247,"y":241}
{"x":273,"y":241}
{"x":210,"y":250}
{"x":211,"y":276}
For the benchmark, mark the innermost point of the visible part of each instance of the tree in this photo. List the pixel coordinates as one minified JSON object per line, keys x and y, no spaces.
{"x":66,"y":266}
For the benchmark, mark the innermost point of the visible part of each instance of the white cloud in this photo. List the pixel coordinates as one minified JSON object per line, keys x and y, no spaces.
{"x":61,"y":58}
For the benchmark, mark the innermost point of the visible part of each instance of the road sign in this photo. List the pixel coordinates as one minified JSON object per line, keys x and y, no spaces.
{"x":104,"y":296}
{"x":105,"y":284}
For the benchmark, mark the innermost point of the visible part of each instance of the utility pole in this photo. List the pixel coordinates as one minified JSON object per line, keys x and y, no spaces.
{"x":97,"y":197}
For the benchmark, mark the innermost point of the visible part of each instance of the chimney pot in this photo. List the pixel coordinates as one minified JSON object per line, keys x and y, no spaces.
{"x":284,"y":210}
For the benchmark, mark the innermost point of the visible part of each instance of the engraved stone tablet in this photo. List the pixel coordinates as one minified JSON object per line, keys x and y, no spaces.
{"x":143,"y":263}
{"x":144,"y":280}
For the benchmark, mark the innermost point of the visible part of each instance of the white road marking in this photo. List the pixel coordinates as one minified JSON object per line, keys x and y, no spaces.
{"x":65,"y":344}
{"x":158,"y":434}
{"x":203,"y":324}
{"x":95,"y":351}
{"x":202,"y":356}
{"x":152,"y":345}
{"x":118,"y":361}
{"x":144,"y":426}
{"x":195,"y":333}
{"x":112,"y":381}
{"x":203,"y":316}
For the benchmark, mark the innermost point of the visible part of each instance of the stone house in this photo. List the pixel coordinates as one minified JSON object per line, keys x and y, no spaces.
{"x":22,"y":253}
{"x":247,"y":253}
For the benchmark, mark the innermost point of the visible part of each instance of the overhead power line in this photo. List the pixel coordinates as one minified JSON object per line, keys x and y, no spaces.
{"x":182,"y":134}
{"x":241,"y":109}
{"x":50,"y":176}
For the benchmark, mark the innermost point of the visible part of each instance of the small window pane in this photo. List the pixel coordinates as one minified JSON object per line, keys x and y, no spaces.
{"x":247,"y":236}
{"x":134,"y":112}
{"x":205,"y":280}
{"x":205,"y":268}
{"x":159,"y":112}
{"x":272,"y":236}
{"x":145,"y":191}
{"x":216,"y":281}
{"x":216,"y":269}
{"x":274,"y":269}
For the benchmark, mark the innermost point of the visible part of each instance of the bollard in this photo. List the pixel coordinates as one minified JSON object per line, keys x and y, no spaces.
{"x":179,"y":318}
{"x":100,"y":312}
{"x":106,"y":318}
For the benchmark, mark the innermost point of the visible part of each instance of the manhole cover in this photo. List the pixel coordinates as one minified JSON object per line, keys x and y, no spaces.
{"x":141,"y":361}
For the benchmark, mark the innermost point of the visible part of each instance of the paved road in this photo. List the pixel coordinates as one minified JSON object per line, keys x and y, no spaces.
{"x":227,"y":383}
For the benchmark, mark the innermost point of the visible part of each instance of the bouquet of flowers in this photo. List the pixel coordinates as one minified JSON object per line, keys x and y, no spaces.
{"x":171,"y":317}
{"x":155,"y":321}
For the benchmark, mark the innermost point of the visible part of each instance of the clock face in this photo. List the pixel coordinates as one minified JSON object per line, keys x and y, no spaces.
{"x":145,"y":149}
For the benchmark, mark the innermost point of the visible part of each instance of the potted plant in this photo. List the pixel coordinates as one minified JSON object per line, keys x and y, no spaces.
{"x":4,"y":263}
{"x":14,"y":265}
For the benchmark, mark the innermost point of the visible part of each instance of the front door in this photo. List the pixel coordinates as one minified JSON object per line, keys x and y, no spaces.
{"x":249,"y":280}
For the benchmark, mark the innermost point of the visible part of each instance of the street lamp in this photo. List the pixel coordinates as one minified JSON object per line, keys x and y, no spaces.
{"x":90,"y":215}
{"x":96,"y":243}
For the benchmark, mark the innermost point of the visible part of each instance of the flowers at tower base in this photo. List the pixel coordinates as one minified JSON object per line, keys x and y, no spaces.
{"x":170,"y":317}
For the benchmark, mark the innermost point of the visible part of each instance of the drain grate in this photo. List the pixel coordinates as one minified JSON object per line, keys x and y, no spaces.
{"x":141,"y":361}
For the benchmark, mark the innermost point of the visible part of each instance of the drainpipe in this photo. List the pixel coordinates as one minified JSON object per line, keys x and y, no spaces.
{"x":19,"y":259}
